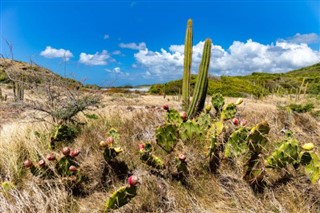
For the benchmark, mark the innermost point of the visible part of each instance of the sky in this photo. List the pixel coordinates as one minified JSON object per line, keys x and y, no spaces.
{"x":116,"y":43}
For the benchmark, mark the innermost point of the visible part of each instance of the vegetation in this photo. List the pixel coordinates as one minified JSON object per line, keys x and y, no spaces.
{"x":131,"y":155}
{"x":256,"y":84}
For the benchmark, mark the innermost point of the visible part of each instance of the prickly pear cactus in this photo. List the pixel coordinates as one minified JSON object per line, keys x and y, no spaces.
{"x":254,"y":170}
{"x":114,"y":134}
{"x":111,"y":152}
{"x":191,"y":130}
{"x":121,"y":197}
{"x":257,"y":137}
{"x":64,"y":133}
{"x":287,"y":153}
{"x":216,"y":129}
{"x":204,"y":120}
{"x":167,"y":137}
{"x":149,"y":158}
{"x":237,"y":143}
{"x":217,"y":102}
{"x":173,"y":116}
{"x":64,"y":164}
{"x":228,"y":111}
{"x":313,"y":168}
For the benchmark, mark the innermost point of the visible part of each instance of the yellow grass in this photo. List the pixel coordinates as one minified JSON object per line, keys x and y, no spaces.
{"x":136,"y":118}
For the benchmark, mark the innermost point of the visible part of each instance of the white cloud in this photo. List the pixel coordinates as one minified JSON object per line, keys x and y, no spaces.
{"x":96,"y":59}
{"x":50,"y":52}
{"x":117,"y":70}
{"x":133,"y":46}
{"x":106,"y":36}
{"x":298,"y":38}
{"x":116,"y":52}
{"x":241,"y":58}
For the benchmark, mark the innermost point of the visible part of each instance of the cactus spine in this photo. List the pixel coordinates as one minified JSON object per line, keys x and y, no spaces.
{"x":200,"y":91}
{"x":187,"y":66}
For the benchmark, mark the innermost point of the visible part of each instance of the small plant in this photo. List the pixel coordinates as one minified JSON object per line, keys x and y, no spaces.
{"x":123,"y":195}
{"x":111,"y":146}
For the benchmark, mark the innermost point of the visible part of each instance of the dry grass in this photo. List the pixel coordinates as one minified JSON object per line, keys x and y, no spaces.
{"x":136,"y":117}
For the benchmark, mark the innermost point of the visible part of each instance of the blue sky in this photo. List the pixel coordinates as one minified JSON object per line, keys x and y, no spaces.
{"x":141,"y":42}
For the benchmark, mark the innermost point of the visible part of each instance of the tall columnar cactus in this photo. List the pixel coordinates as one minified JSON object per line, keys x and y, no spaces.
{"x":200,"y":91}
{"x":187,"y":66}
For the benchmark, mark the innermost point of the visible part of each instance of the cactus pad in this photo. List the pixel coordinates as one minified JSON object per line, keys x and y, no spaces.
{"x":237,"y":143}
{"x":287,"y":153}
{"x":167,"y":137}
{"x":228,"y":112}
{"x":217,"y":102}
{"x":121,"y":197}
{"x":190,"y":130}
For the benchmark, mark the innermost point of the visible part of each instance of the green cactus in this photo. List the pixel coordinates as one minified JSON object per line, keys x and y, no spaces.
{"x":187,"y":66}
{"x":150,"y":159}
{"x":120,"y":197}
{"x":204,"y":120}
{"x":257,"y":137}
{"x":191,"y":130}
{"x":167,"y":137}
{"x":237,"y":143}
{"x":173,"y":116}
{"x":64,"y":133}
{"x":313,"y":168}
{"x":228,"y":111}
{"x":111,"y":152}
{"x":62,"y":166}
{"x":305,"y":157}
{"x":114,"y":134}
{"x":287,"y":153}
{"x":200,"y":91}
{"x":216,"y":129}
{"x":254,"y":170}
{"x":217,"y":101}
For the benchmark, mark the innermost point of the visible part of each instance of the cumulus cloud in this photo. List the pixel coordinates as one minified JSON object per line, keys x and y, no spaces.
{"x":133,"y":46}
{"x":310,"y":38}
{"x":241,"y":58}
{"x":51,"y":52}
{"x":94,"y":59}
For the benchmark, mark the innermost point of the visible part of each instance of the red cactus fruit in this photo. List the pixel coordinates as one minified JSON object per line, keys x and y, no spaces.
{"x":235,"y":121}
{"x":74,"y":153}
{"x":133,"y":180}
{"x":141,"y":147}
{"x":66,"y":151}
{"x":184,"y":116}
{"x":42,"y":163}
{"x":73,"y":168}
{"x":165,"y":107}
{"x":27,"y":163}
{"x":243,"y":122}
{"x":182,"y":157}
{"x":51,"y":157}
{"x":109,"y":140}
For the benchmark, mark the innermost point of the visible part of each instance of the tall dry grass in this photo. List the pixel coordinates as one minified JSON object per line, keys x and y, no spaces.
{"x":225,"y":191}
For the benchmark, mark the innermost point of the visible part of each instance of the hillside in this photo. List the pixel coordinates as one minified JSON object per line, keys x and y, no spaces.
{"x":29,"y":72}
{"x":257,"y":84}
